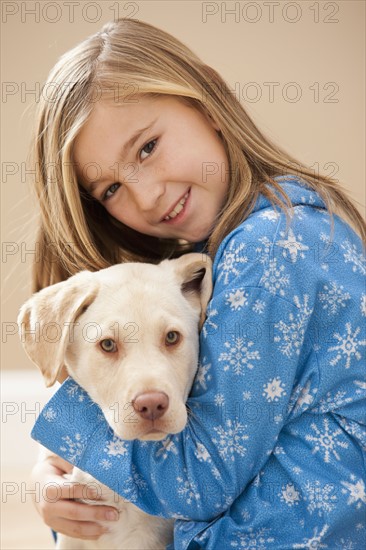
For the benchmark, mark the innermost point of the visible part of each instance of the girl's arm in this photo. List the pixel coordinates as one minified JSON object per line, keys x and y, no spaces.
{"x":250,"y":347}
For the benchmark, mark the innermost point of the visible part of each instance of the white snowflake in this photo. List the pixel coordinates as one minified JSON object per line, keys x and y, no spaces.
{"x":315,"y":541}
{"x":201,"y":453}
{"x":327,"y":441}
{"x":259,"y":306}
{"x":331,"y":402}
{"x":134,"y":485}
{"x":202,"y":376}
{"x":292,"y":246}
{"x":188,"y":490}
{"x":357,"y":259}
{"x":74,"y":447}
{"x":167,"y":446}
{"x":363,"y":305}
{"x":269,"y":214}
{"x":357,"y":494}
{"x":209,"y":325}
{"x":219,"y":399}
{"x":239,"y":355}
{"x":274,"y":390}
{"x":348,"y":347}
{"x":247,"y":395}
{"x":232,"y":259}
{"x":321,"y":499}
{"x":274,"y":278}
{"x":301,"y":397}
{"x":345,"y":544}
{"x":49,"y":414}
{"x":105,"y":464}
{"x":230,"y":439}
{"x":116,"y":447}
{"x":290,"y":495}
{"x":75,"y":391}
{"x":333,"y":298}
{"x":236,"y":300}
{"x":257,"y":540}
{"x":293,"y":331}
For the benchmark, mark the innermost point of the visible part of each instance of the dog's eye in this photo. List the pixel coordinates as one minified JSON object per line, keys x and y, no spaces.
{"x":172,"y":338}
{"x":108,"y":345}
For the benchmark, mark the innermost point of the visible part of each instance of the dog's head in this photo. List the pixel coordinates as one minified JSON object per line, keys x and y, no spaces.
{"x":128,"y":335}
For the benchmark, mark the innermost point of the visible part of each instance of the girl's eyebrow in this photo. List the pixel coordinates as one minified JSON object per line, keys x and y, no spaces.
{"x":91,"y":187}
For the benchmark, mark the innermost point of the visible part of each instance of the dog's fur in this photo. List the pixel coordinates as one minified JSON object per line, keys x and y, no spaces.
{"x":137,"y":306}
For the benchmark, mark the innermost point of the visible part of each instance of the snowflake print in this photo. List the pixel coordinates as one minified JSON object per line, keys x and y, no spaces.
{"x":320,"y":499}
{"x":49,"y":414}
{"x":316,"y":540}
{"x":363,"y":305}
{"x":269,"y":214}
{"x":274,"y":390}
{"x":326,"y":441}
{"x":239,"y":355}
{"x":345,"y":544}
{"x":202,"y":453}
{"x":167,"y":446}
{"x":247,"y":395}
{"x":258,"y":540}
{"x":116,"y":447}
{"x":74,"y":447}
{"x":357,"y":494}
{"x":231,"y":262}
{"x":274,"y":278}
{"x":301,"y":397}
{"x":259,"y":306}
{"x":331,"y":402}
{"x":188,"y":490}
{"x":134,"y":486}
{"x":219,"y":399}
{"x":75,"y":391}
{"x":202,"y":376}
{"x":105,"y":464}
{"x":293,"y":331}
{"x":352,"y":256}
{"x":333,"y":298}
{"x":230,"y":440}
{"x":291,"y":246}
{"x":236,"y":300}
{"x":348,"y":347}
{"x":289,"y":495}
{"x":209,"y":325}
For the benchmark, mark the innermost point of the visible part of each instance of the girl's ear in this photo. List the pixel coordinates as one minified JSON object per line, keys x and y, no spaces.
{"x":46,"y":321}
{"x":194,"y":273}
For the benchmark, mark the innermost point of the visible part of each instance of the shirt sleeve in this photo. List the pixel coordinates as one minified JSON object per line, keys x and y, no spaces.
{"x":249,"y":356}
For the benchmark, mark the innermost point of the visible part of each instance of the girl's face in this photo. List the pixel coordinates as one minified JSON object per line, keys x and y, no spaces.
{"x":157,"y":165}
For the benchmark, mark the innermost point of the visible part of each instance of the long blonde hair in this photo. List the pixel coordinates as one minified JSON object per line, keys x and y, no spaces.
{"x":132,"y":57}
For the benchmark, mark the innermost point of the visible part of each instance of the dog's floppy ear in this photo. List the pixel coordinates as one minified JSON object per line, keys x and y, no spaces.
{"x":194,"y":271}
{"x":46,"y":321}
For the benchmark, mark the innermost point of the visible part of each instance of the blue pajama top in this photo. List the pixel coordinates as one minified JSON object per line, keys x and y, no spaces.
{"x":273,"y":455}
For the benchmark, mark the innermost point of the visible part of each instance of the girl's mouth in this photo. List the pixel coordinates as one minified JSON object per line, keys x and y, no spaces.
{"x":178,"y":211}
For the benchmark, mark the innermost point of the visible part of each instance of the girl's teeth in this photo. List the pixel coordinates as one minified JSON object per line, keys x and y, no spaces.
{"x":178,"y":208}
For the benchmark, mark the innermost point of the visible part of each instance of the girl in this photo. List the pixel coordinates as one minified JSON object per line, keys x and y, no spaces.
{"x":143,"y":153}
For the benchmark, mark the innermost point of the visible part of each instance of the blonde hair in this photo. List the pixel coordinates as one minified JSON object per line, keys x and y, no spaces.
{"x":132,"y":57}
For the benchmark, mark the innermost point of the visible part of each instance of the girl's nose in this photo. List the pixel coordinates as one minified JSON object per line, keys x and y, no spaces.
{"x":147,"y":193}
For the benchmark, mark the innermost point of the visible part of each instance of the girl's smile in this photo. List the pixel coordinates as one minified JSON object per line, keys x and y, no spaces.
{"x":157,"y":165}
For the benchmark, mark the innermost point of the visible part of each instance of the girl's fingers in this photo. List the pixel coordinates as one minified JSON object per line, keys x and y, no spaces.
{"x":78,"y":529}
{"x":83,"y":513}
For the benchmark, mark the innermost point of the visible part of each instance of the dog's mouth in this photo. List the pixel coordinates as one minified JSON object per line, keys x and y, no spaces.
{"x":153,"y":435}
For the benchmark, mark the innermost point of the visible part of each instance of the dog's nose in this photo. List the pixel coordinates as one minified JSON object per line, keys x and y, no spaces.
{"x":151,"y":405}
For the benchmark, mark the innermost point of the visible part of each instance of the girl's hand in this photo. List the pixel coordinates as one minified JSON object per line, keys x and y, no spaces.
{"x":56,"y":504}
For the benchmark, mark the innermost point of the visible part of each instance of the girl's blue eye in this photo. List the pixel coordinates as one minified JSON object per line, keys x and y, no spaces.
{"x":111,"y":190}
{"x":149,"y":147}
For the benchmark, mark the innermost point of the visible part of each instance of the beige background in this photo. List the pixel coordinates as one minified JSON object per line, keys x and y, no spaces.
{"x":299,"y":67}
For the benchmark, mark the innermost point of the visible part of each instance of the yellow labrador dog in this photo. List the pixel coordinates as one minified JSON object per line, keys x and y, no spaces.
{"x":128,"y":335}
